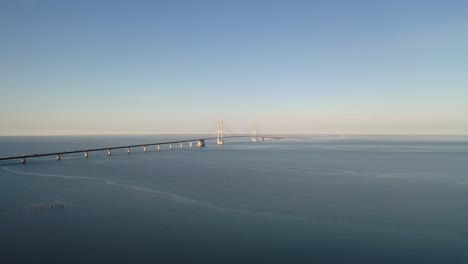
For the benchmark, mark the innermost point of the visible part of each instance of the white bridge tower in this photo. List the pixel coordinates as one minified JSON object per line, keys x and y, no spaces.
{"x":220,"y":140}
{"x":254,"y":134}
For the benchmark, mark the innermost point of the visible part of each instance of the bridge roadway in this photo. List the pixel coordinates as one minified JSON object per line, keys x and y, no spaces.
{"x":58,"y":154}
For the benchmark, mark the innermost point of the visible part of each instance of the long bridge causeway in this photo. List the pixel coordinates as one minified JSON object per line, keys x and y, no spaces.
{"x":200,"y":142}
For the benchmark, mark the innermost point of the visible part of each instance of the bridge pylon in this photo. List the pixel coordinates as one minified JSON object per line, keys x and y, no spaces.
{"x":220,"y":139}
{"x":254,"y":134}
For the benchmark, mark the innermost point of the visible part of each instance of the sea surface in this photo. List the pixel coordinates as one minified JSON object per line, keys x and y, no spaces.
{"x":303,"y":199}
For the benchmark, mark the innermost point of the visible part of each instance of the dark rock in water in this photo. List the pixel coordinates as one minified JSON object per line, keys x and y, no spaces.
{"x":38,"y":207}
{"x":56,"y":205}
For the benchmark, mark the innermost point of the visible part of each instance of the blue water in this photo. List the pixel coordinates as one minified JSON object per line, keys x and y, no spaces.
{"x":302,"y":200}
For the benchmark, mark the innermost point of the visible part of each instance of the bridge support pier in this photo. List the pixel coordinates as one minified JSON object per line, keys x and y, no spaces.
{"x":181,"y":145}
{"x":254,"y":134}
{"x":190,"y":144}
{"x":57,"y":157}
{"x":159,"y":147}
{"x":129,"y":150}
{"x":220,"y":138}
{"x":23,"y":160}
{"x":109,"y":152}
{"x":201,"y":143}
{"x":170,"y":146}
{"x":145,"y":148}
{"x":86,"y":154}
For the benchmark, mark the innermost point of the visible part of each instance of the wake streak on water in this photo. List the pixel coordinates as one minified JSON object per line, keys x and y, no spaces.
{"x":52,"y":175}
{"x":185,"y":200}
{"x":172,"y":196}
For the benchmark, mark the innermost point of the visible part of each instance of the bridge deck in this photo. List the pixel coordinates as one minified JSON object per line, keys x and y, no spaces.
{"x":109,"y":148}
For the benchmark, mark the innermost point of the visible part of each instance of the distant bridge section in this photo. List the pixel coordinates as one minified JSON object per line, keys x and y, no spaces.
{"x":180,"y":143}
{"x":200,"y":143}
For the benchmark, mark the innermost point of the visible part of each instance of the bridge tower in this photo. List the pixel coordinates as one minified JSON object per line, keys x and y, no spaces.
{"x":254,"y":134}
{"x":220,"y":140}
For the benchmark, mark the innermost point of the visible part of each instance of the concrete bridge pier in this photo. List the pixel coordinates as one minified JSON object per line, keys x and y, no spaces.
{"x":57,"y":157}
{"x":201,"y":143}
{"x":145,"y":148}
{"x":86,"y":154}
{"x":159,"y":147}
{"x":181,"y":145}
{"x":23,"y":160}
{"x":190,"y":144}
{"x":109,"y":152}
{"x":220,"y":138}
{"x":129,"y":150}
{"x":170,"y":146}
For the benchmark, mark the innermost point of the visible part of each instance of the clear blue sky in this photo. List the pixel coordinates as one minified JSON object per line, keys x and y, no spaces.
{"x":104,"y":67}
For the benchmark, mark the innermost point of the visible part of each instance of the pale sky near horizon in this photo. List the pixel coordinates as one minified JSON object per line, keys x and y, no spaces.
{"x":123,"y":67}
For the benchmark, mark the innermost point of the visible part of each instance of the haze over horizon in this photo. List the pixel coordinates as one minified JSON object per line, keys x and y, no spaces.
{"x":290,"y":67}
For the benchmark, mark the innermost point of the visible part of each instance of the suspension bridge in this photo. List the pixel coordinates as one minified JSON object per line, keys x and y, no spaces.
{"x":199,"y":142}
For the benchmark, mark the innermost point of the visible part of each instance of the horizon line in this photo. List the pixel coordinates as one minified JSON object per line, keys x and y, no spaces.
{"x":301,"y":134}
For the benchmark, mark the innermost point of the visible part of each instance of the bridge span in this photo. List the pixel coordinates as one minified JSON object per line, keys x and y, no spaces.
{"x":180,"y":143}
{"x":200,"y":142}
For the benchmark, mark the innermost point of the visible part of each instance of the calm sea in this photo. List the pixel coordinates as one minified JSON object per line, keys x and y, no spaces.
{"x":307,"y":199}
